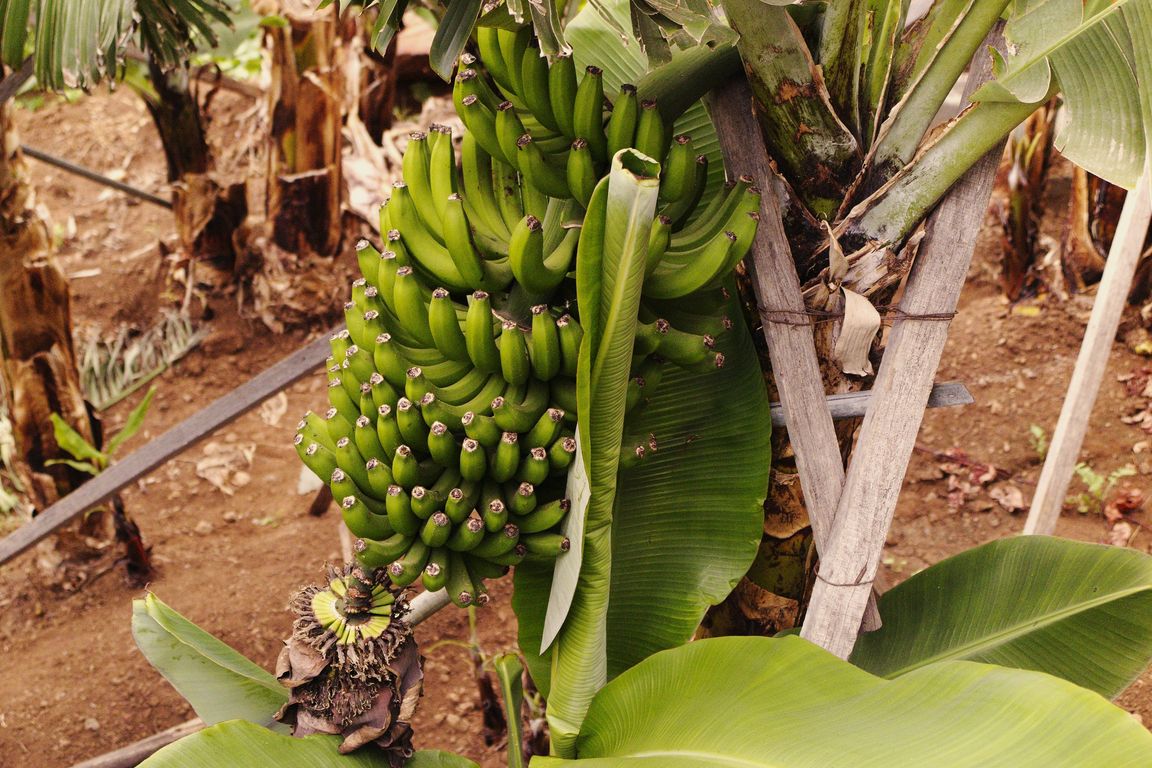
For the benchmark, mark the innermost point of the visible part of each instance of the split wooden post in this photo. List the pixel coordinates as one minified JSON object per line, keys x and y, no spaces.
{"x":849,"y":565}
{"x":791,"y":348}
{"x":1068,"y":437}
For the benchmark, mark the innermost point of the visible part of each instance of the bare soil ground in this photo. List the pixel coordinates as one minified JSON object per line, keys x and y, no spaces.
{"x":74,"y":685}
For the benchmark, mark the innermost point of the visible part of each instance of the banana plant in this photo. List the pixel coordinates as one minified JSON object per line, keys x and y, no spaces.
{"x":542,"y":283}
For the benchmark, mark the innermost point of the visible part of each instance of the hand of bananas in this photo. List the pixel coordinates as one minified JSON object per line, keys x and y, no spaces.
{"x":453,"y":392}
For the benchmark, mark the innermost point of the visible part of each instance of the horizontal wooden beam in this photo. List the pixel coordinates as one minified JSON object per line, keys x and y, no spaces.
{"x":177,"y":439}
{"x":853,"y":405}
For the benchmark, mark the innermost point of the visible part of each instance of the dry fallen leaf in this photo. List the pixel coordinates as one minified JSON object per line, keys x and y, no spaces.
{"x":223,"y":465}
{"x":273,"y":409}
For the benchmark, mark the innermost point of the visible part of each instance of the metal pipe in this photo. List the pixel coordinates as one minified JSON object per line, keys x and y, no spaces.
{"x":91,"y":175}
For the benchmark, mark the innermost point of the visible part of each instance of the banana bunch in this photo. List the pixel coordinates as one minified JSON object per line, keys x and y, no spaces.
{"x":452,"y":392}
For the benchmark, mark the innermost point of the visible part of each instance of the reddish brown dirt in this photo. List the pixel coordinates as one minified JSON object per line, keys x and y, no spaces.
{"x":74,"y":685}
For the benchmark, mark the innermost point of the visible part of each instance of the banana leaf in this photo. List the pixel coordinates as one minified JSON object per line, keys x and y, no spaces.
{"x":1089,"y":48}
{"x":219,"y":682}
{"x":785,"y":703}
{"x":688,"y":520}
{"x":240,"y":743}
{"x":452,"y":36}
{"x":609,"y":277}
{"x":1078,"y":611}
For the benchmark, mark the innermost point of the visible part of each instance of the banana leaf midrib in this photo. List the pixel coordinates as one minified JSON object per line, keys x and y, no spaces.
{"x":1016,"y":630}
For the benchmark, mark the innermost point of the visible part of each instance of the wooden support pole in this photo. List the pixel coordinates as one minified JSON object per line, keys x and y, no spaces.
{"x":849,"y":565}
{"x":792,"y":348}
{"x":1068,"y":437}
{"x":777,"y":286}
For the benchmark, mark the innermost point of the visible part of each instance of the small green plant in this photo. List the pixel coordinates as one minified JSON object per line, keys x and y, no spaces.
{"x":87,"y":457}
{"x":1038,"y":439}
{"x":1098,"y":487}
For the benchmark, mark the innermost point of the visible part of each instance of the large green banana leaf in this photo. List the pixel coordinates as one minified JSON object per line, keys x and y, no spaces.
{"x":219,"y":682}
{"x":688,"y":520}
{"x":1092,"y":49}
{"x":785,"y":703}
{"x":1082,"y":612}
{"x":240,"y":743}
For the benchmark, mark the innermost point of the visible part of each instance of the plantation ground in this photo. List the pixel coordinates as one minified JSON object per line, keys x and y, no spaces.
{"x":74,"y":685}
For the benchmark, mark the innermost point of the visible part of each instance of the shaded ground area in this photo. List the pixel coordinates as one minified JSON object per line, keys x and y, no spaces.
{"x":74,"y":684}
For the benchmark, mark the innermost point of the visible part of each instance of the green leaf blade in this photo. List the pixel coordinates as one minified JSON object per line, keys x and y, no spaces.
{"x":133,"y":423}
{"x":1082,"y":612}
{"x":219,"y":682}
{"x":745,"y":701}
{"x":241,"y":743}
{"x":688,"y":520}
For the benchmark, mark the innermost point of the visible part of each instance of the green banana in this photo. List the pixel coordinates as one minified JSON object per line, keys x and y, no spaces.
{"x":480,"y":120}
{"x":514,"y":363}
{"x":570,"y":334}
{"x":546,"y":546}
{"x":546,"y":429}
{"x":509,"y":129}
{"x":534,"y":84}
{"x":379,"y":477}
{"x":544,"y":517}
{"x":652,"y":132}
{"x":473,"y":461}
{"x":426,"y":250}
{"x":363,"y":522}
{"x":445,"y":327}
{"x":521,"y":416}
{"x":415,"y":166}
{"x":478,"y":334}
{"x":435,"y":576}
{"x":506,"y":458}
{"x":482,"y":428}
{"x":458,"y":238}
{"x":513,"y":48}
{"x":467,"y":535}
{"x":523,"y":499}
{"x":545,"y":347}
{"x":388,"y":430}
{"x":498,"y":542}
{"x":399,"y":509}
{"x":436,"y":530}
{"x":534,"y":468}
{"x":539,"y":171}
{"x":621,"y":128}
{"x":380,"y":554}
{"x":488,"y":44}
{"x":460,"y":589}
{"x":562,"y":89}
{"x":442,"y":445}
{"x":588,"y":113}
{"x":407,"y":568}
{"x":425,"y":503}
{"x":412,"y":427}
{"x":561,"y":454}
{"x":580,"y":172}
{"x":368,"y":259}
{"x":535,"y":272}
{"x":442,"y":168}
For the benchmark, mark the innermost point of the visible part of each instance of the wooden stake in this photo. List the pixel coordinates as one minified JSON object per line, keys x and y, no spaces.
{"x":1111,"y":296}
{"x":791,"y":348}
{"x":849,"y":564}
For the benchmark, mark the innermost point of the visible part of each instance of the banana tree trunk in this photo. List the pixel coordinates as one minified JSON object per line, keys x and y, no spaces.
{"x":304,"y":184}
{"x":37,"y":359}
{"x":1093,"y":211}
{"x":207,"y":211}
